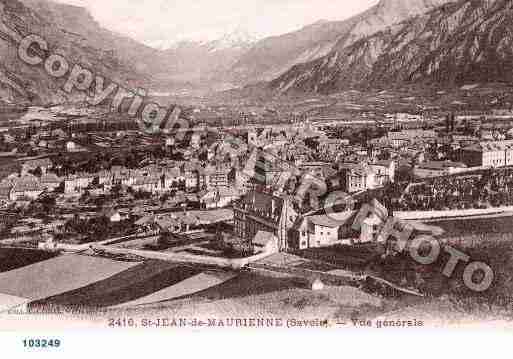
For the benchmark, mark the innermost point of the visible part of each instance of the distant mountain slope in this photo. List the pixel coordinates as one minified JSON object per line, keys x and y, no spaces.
{"x":233,"y":60}
{"x":77,"y":21}
{"x":273,"y":56}
{"x":467,"y":41}
{"x":74,"y":32}
{"x":71,"y":31}
{"x":186,"y":62}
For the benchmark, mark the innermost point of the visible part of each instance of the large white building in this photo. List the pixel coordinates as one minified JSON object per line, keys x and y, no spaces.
{"x":322,"y":231}
{"x":364,"y":176}
{"x":77,"y":183}
{"x":488,"y":154}
{"x":403,"y":138}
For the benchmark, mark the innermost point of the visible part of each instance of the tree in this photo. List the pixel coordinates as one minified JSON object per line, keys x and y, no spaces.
{"x":116,"y":190}
{"x":48,"y":203}
{"x":37,"y":172}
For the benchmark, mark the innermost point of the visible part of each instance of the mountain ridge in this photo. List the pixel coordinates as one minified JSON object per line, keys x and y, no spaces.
{"x":273,"y":56}
{"x":72,"y":31}
{"x":466,"y":41}
{"x":379,"y":46}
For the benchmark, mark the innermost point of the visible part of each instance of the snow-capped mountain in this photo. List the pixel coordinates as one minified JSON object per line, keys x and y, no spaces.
{"x":201,"y":61}
{"x":237,"y":38}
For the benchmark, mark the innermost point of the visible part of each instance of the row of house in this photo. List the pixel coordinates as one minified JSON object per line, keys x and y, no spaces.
{"x":400,"y":139}
{"x":215,"y":182}
{"x":183,"y":221}
{"x":27,"y":186}
{"x":155,"y":179}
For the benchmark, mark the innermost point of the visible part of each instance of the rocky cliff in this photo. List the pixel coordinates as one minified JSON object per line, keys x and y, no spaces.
{"x":72,"y":32}
{"x":464,"y":42}
{"x":273,"y":56}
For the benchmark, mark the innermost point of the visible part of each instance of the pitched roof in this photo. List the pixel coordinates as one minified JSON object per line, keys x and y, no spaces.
{"x":384,"y":163}
{"x":150,"y":219}
{"x":24,"y":186}
{"x":356,"y":168}
{"x":141,"y":180}
{"x":40,"y":162}
{"x":335,"y":221}
{"x":264,"y":204}
{"x":263,"y":238}
{"x":4,"y":191}
{"x":439,"y":165}
{"x":332,"y":141}
{"x":50,"y":178}
{"x":187,"y":219}
{"x":167,"y":222}
{"x":173,"y":172}
{"x":79,"y":176}
{"x":209,"y":170}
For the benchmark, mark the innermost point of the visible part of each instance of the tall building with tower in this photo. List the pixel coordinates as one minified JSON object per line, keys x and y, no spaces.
{"x":264,"y":212}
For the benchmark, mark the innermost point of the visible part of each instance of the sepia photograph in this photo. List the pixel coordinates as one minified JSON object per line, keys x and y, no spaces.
{"x":329,"y":165}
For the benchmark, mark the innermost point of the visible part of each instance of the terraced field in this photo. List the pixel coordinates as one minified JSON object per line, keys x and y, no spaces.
{"x":58,"y":275}
{"x":133,"y":283}
{"x":11,"y":259}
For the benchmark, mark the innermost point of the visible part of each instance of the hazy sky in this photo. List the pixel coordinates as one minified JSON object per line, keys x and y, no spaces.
{"x":160,"y":22}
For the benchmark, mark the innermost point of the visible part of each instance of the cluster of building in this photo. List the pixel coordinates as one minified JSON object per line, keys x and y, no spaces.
{"x":488,"y":154}
{"x":213,"y":183}
{"x":25,"y":185}
{"x":260,"y":213}
{"x":258,"y":178}
{"x":357,"y":177}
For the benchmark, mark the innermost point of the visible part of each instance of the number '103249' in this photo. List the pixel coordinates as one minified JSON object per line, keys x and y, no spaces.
{"x":41,"y":343}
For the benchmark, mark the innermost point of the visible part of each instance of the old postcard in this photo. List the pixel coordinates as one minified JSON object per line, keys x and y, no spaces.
{"x":255,"y":165}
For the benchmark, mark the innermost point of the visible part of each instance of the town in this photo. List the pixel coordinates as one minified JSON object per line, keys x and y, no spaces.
{"x":174,"y":167}
{"x":66,"y":184}
{"x":249,"y":196}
